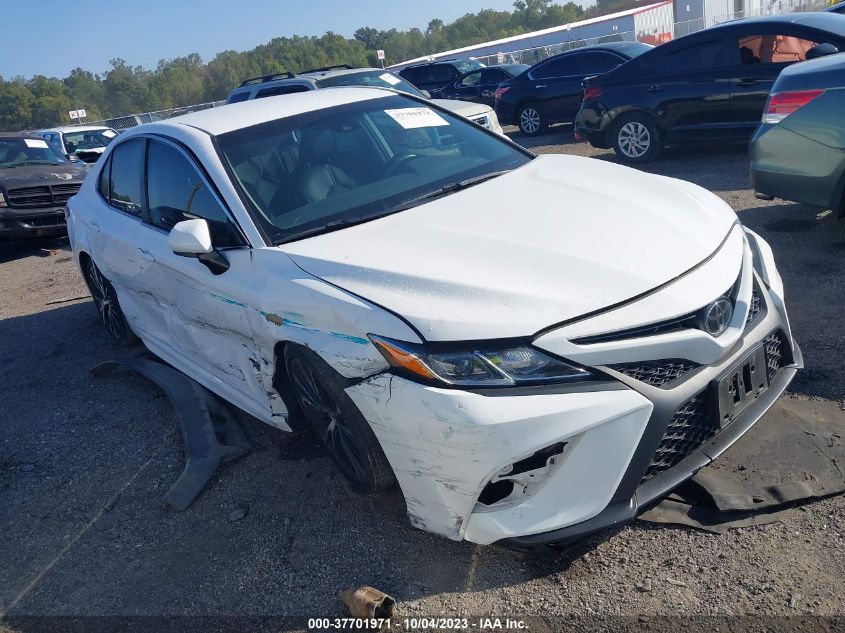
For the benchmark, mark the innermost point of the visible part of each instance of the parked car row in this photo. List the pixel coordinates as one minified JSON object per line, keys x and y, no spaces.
{"x":710,"y":86}
{"x":346,"y":75}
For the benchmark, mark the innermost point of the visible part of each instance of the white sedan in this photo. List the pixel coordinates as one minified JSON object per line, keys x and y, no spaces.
{"x":532,"y":348}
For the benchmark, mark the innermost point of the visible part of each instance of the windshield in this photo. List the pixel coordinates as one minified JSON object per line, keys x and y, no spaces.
{"x":321,"y":170}
{"x":89,"y":139}
{"x":466,"y":66}
{"x":377,"y":78}
{"x":15,"y":152}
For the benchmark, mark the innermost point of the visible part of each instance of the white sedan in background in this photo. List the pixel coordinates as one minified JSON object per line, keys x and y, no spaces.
{"x":532,"y":348}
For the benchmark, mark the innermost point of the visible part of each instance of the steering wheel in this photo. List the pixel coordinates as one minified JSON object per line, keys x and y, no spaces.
{"x":399,"y":162}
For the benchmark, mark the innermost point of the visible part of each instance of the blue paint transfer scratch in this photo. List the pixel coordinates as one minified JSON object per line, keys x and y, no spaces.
{"x":275,"y":319}
{"x":227,"y":300}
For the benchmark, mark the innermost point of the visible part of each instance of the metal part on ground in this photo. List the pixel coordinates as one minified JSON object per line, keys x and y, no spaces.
{"x":204,"y":421}
{"x":367,"y":602}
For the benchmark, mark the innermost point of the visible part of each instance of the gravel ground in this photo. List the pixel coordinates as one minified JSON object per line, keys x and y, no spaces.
{"x":84,"y":463}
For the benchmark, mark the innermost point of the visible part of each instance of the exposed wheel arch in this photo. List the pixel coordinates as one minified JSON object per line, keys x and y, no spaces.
{"x":281,"y":383}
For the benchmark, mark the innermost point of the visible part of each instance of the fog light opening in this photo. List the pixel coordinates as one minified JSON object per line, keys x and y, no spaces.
{"x":495,"y":491}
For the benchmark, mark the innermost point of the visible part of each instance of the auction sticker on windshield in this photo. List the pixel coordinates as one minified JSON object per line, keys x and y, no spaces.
{"x":410,"y":118}
{"x":34,"y":142}
{"x":389,"y":79}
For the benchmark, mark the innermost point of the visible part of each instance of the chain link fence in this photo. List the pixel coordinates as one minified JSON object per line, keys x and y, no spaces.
{"x":651,"y":33}
{"x":125,"y":122}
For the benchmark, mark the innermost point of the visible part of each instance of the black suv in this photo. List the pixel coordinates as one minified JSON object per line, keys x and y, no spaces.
{"x":35,"y":183}
{"x":434,"y":76}
{"x":711,"y":85}
{"x":550,"y":91}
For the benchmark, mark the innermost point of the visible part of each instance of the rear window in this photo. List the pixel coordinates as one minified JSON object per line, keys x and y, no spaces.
{"x":281,"y":90}
{"x":684,"y":57}
{"x":376,"y":78}
{"x":127,"y":176}
{"x":239,"y":96}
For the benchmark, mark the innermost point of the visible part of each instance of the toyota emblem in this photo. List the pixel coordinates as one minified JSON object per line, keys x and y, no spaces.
{"x":717,"y":316}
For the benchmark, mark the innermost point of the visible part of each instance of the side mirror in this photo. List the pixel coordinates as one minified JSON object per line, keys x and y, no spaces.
{"x":192,"y":238}
{"x":821,"y":50}
{"x":426,"y":94}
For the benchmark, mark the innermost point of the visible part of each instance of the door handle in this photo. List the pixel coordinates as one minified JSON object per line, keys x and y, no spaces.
{"x":146,"y":255}
{"x":747,"y":81}
{"x":654,"y":88}
{"x":538,"y":86}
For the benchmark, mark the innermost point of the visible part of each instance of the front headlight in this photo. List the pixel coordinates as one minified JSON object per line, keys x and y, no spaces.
{"x":487,"y":365}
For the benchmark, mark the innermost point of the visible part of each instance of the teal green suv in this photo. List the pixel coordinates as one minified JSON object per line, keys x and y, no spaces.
{"x":798,"y":151}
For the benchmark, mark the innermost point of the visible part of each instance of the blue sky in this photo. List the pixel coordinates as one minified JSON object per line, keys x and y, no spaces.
{"x":51,"y":37}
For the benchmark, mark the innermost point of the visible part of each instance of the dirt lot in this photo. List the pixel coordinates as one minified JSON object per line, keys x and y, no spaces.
{"x":84,"y":463}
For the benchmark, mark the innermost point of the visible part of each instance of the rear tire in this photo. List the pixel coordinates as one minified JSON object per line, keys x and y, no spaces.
{"x":336,"y":421}
{"x":531,"y":119}
{"x":107,"y":305}
{"x":635,"y":139}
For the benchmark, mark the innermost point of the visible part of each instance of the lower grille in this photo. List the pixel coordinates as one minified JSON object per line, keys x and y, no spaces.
{"x":774,"y":353}
{"x":755,"y":308}
{"x":688,"y":429}
{"x":56,"y":219}
{"x":657,"y":373}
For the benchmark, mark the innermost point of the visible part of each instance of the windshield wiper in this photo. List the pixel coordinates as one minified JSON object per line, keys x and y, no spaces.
{"x":327,"y":228}
{"x":445,"y":190}
{"x":31,"y":162}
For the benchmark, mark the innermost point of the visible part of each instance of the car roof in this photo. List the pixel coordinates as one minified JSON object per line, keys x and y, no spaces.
{"x":32,"y":135}
{"x":335,"y":72}
{"x":439,"y":61}
{"x":820,"y":20}
{"x":617,"y":47}
{"x":75,"y":128}
{"x":235,"y":116}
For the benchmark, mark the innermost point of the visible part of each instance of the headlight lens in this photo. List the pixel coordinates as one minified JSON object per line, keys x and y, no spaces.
{"x":488,"y":365}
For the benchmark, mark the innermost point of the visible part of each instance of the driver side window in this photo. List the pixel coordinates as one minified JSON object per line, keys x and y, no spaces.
{"x":177,"y":192}
{"x":471,"y":80}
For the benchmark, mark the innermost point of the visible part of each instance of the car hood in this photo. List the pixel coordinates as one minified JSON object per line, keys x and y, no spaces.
{"x":466,"y":109}
{"x":33,"y":175}
{"x":554,"y":240}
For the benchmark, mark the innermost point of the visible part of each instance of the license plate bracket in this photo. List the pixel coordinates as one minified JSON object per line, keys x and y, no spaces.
{"x":743,"y":383}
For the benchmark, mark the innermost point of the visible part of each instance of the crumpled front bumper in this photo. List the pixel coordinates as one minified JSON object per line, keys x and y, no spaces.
{"x":448,"y":446}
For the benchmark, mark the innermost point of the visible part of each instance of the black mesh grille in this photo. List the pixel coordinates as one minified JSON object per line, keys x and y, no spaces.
{"x":657,"y":373}
{"x":756,"y":307}
{"x":774,"y":353}
{"x":688,"y":429}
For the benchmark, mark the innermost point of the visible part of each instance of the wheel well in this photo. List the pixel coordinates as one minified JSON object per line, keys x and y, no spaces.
{"x":281,"y":383}
{"x":529,"y":101}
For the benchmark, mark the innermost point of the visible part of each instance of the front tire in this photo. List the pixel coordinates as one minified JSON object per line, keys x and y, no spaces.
{"x":107,"y":305}
{"x":531,"y":119}
{"x":636,"y":139}
{"x":336,"y":421}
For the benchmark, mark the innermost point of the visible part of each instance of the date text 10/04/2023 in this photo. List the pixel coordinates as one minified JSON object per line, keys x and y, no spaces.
{"x":419,"y":624}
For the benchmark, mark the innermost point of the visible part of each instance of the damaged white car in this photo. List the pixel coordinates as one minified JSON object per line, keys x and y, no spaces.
{"x":532,"y":348}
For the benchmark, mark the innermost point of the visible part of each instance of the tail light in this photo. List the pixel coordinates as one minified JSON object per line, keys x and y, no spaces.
{"x":500,"y":92}
{"x":781,"y":104}
{"x":593,"y":92}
